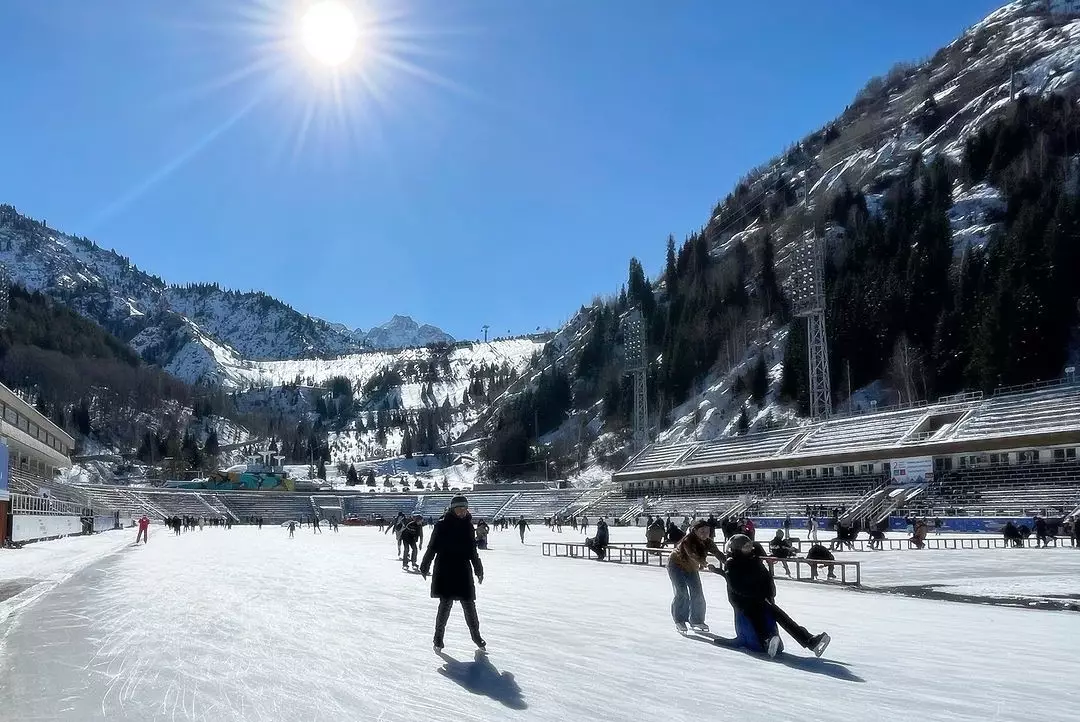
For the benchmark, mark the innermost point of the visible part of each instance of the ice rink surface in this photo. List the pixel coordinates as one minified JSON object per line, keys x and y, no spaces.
{"x":249,"y":625}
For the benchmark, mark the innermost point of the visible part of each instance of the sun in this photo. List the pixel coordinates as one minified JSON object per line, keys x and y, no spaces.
{"x":329,"y":32}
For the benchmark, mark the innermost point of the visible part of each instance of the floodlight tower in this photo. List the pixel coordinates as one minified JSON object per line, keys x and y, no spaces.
{"x":808,"y":301}
{"x":636,"y":365}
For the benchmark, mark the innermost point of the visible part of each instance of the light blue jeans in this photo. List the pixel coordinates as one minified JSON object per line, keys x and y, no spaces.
{"x":689,"y":602}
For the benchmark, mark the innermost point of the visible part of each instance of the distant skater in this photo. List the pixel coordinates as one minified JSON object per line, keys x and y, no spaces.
{"x":584,"y":525}
{"x":411,"y":534}
{"x":292,"y":529}
{"x":452,"y":548}
{"x":522,"y":526}
{"x":315,"y":528}
{"x":144,"y":529}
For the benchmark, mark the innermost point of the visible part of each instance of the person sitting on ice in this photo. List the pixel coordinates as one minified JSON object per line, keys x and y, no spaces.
{"x":684,"y":565}
{"x":654,"y":534}
{"x":482,"y":534}
{"x":818,"y":552}
{"x":598,"y":544}
{"x":780,"y":547}
{"x":752,"y":594}
{"x":674,"y":534}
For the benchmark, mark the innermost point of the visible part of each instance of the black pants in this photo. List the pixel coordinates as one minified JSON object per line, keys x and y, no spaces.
{"x":471,"y":619}
{"x":757,"y":613}
{"x":410,"y":548}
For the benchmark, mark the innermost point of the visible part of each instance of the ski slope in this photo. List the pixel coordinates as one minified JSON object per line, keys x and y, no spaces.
{"x":250,"y":625}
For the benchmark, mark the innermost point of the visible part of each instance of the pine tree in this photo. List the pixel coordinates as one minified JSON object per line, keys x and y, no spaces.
{"x":351,"y":478}
{"x":321,"y":471}
{"x":759,"y":382}
{"x":211,"y":449}
{"x":743,"y":424}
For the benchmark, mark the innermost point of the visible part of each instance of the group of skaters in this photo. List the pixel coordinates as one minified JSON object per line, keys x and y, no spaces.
{"x":180,"y":524}
{"x":750,"y":588}
{"x":1045,"y":531}
{"x":315,"y":522}
{"x":556,"y":522}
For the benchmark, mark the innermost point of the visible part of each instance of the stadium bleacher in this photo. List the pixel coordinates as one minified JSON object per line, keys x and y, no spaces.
{"x":870,"y":430}
{"x":1044,"y":410}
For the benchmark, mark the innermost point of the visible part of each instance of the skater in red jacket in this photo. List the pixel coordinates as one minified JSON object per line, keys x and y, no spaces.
{"x":144,"y":529}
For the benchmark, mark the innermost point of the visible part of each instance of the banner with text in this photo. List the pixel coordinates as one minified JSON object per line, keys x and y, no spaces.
{"x":917,"y":471}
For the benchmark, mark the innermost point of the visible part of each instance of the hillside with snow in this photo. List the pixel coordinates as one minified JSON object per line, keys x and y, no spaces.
{"x":180,"y":326}
{"x":828,"y":183}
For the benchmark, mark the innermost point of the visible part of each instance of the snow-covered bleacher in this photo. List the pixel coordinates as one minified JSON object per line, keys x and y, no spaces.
{"x":273,"y":507}
{"x":540,"y":504}
{"x":1044,"y":410}
{"x":870,"y":430}
{"x":659,"y":456}
{"x":752,"y":446}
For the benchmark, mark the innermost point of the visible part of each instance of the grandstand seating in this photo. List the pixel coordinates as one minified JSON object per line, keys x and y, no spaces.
{"x":870,"y":430}
{"x":273,"y":507}
{"x":541,"y":504}
{"x":659,"y":456}
{"x":752,"y":446}
{"x":1008,"y":489}
{"x":366,"y":505}
{"x":1044,"y":410}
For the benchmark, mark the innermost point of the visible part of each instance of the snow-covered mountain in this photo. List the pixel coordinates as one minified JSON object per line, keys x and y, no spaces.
{"x":179,"y":326}
{"x":917,"y":110}
{"x":398,"y":332}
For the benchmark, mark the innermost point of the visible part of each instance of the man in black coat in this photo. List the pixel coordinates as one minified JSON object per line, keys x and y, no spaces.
{"x":598,"y":544}
{"x":411,"y":534}
{"x":452,"y":547}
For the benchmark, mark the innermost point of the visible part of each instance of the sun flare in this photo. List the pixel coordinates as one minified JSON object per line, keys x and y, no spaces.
{"x":329,"y":32}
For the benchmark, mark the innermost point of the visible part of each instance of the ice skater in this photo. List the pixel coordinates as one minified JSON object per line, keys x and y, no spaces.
{"x":811,"y":526}
{"x":292,"y":529}
{"x":584,"y":525}
{"x":396,"y":527}
{"x":411,"y":534}
{"x":684,"y":566}
{"x":452,"y":548}
{"x":752,"y":592}
{"x":522,"y":525}
{"x":144,"y":529}
{"x":315,"y":528}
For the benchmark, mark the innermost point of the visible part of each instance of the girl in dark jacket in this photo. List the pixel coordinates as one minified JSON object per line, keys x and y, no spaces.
{"x":452,"y":547}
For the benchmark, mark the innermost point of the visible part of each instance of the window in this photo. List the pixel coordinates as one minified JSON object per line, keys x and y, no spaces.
{"x":746,"y":477}
{"x":827,"y":472}
{"x":1001,"y":459}
{"x":10,"y":416}
{"x":777,"y":475}
{"x":866,"y":468}
{"x":791,"y":473}
{"x":943,"y":463}
{"x":731,"y":478}
{"x":1031,"y":456}
{"x":1064,"y":454}
{"x":759,"y":476}
{"x":811,"y":473}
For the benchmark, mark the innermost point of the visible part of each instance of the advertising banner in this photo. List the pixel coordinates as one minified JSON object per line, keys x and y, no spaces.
{"x":914,"y":471}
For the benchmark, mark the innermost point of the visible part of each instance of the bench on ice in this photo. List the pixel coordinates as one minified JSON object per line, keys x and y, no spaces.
{"x":806,"y":570}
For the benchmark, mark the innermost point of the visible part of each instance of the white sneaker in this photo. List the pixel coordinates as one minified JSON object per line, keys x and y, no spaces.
{"x":773,"y":646}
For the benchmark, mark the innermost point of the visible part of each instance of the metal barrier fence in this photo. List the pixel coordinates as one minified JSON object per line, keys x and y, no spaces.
{"x":39,"y":505}
{"x":805,"y":569}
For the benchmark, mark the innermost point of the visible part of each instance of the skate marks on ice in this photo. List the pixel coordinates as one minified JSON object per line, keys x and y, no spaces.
{"x":813,"y":665}
{"x":482,"y":677}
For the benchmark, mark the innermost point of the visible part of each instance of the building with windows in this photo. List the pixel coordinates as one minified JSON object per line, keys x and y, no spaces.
{"x":35,"y":447}
{"x":1012,"y":452}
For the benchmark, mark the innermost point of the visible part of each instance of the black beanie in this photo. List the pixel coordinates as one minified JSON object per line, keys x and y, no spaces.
{"x":459,"y":500}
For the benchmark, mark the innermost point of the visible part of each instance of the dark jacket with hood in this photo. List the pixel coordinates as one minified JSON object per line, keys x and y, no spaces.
{"x":748,"y":581}
{"x":452,"y":547}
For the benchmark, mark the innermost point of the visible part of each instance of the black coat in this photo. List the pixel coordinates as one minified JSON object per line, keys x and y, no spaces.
{"x":601,"y":534}
{"x":452,"y":546}
{"x":748,"y":581}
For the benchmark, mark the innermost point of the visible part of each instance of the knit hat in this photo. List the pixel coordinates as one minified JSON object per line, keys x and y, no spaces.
{"x":459,"y":501}
{"x":740,"y":543}
{"x":699,"y":524}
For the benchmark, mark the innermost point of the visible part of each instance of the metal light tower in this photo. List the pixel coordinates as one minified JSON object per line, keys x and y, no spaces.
{"x":808,"y":301}
{"x":637,"y":366}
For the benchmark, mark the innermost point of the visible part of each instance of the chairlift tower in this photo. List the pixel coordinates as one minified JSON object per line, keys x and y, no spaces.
{"x":808,"y":301}
{"x":635,"y":365}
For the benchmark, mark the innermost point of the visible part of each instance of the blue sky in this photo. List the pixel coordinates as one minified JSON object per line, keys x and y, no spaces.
{"x":502,"y":166}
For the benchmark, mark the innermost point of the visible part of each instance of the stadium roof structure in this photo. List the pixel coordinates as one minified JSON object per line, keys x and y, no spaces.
{"x":1037,"y":415}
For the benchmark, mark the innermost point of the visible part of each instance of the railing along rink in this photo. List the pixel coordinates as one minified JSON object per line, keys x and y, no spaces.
{"x":806,"y":570}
